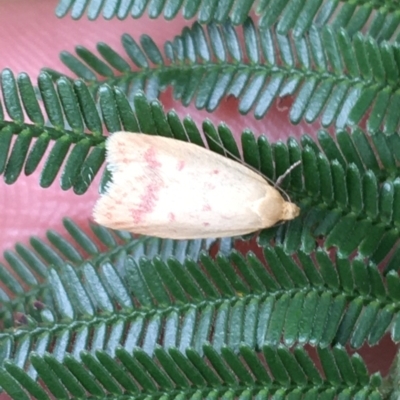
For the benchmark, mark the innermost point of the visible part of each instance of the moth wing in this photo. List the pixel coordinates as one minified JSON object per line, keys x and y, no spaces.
{"x":167,"y":188}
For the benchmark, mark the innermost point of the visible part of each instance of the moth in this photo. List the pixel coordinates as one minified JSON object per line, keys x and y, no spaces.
{"x":167,"y":188}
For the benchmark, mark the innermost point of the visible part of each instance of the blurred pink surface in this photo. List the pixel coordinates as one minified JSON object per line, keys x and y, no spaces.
{"x":31,"y":37}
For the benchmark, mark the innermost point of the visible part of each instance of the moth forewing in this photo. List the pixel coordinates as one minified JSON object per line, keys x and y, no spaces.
{"x":172,"y":189}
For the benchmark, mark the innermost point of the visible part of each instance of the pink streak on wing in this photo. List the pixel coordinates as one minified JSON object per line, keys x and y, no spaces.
{"x":147,"y":202}
{"x":206,"y":207}
{"x":150,"y":158}
{"x":149,"y":198}
{"x":181,"y":165}
{"x":171,"y":217}
{"x":206,"y":223}
{"x":215,"y":171}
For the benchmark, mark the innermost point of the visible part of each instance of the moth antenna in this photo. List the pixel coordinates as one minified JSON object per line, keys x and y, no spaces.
{"x":274,"y":184}
{"x":283,"y":176}
{"x":287,"y":172}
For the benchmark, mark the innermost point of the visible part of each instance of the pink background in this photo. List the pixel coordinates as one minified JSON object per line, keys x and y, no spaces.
{"x":31,"y":37}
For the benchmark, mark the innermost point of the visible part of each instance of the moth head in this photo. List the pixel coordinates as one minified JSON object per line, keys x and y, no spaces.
{"x":289,"y":211}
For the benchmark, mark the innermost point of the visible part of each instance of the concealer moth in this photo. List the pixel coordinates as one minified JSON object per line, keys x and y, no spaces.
{"x":172,"y":189}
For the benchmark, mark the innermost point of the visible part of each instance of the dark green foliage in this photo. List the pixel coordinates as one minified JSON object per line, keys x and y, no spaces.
{"x":188,"y":375}
{"x":331,"y":75}
{"x":338,"y":88}
{"x":129,"y":301}
{"x":30,"y":265}
{"x":296,"y":15}
{"x":33,"y":138}
{"x":337,"y":185}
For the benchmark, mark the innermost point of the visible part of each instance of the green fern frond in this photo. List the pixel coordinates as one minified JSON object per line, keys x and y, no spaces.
{"x":297,"y":15}
{"x":349,"y":299}
{"x":28,"y":283}
{"x":330,"y":75}
{"x":347,"y":186}
{"x":351,"y":212}
{"x":69,"y":109}
{"x":205,"y":10}
{"x":278,"y":373}
{"x":305,"y":299}
{"x":116,"y":70}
